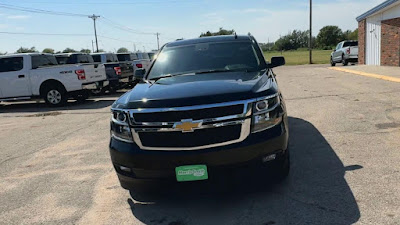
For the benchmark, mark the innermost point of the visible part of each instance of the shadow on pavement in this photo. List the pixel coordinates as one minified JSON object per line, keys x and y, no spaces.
{"x":94,"y":102}
{"x":314,"y":193}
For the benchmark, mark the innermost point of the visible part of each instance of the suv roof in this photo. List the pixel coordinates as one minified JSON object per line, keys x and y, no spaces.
{"x":221,"y":38}
{"x":22,"y":54}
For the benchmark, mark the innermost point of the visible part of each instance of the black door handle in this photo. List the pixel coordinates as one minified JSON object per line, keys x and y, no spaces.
{"x":21,"y":76}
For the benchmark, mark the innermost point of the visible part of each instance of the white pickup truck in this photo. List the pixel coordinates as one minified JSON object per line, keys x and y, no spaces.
{"x":345,"y":52}
{"x":33,"y":75}
{"x":144,"y":59}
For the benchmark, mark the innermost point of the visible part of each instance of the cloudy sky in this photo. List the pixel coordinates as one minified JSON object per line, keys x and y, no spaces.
{"x":133,"y":23}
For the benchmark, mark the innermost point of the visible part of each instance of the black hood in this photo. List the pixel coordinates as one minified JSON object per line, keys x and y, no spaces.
{"x":198,"y":89}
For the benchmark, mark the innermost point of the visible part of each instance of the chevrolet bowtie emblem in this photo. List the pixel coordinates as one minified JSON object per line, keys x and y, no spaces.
{"x":187,"y":125}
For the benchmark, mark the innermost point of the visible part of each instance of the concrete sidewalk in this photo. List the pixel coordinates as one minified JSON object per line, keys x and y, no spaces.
{"x":379,"y":72}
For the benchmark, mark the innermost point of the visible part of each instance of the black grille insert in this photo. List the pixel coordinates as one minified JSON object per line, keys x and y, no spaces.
{"x":176,"y":116}
{"x":193,"y":139}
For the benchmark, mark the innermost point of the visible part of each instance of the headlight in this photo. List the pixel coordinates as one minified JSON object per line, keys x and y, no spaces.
{"x":267,"y":113}
{"x":120,"y":129}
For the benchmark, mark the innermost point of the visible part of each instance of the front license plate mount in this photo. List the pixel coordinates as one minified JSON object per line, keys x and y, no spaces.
{"x":191,"y":173}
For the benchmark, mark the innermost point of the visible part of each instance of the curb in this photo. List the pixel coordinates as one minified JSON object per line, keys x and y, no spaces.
{"x":373,"y":75}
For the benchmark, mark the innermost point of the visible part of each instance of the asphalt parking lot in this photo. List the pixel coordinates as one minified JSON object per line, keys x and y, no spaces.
{"x":345,"y":132}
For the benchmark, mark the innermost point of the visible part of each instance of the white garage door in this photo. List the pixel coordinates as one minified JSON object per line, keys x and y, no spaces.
{"x":373,"y":42}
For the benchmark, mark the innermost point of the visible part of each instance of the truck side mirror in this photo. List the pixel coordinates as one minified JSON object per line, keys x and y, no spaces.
{"x":139,"y":74}
{"x":277,"y":61}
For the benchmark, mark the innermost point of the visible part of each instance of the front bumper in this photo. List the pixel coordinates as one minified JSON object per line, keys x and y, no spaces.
{"x":148,"y":166}
{"x":91,"y":86}
{"x":95,"y":85}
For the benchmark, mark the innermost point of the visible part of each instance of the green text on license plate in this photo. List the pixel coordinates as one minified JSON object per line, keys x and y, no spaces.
{"x":191,"y":173}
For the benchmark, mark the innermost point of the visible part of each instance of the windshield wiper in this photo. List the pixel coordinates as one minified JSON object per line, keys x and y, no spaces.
{"x":155,"y":79}
{"x":247,"y":70}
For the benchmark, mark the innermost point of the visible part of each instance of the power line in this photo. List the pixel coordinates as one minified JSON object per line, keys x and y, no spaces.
{"x":116,"y":39}
{"x":34,"y":10}
{"x":125,"y":28}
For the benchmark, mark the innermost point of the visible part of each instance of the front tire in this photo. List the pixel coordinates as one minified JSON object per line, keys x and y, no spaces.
{"x":332,"y":62}
{"x":83,"y":96}
{"x":55,"y":96}
{"x":345,"y":62}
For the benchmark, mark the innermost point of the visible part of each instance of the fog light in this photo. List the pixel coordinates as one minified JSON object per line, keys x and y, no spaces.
{"x":268,"y":158}
{"x":125,"y":169}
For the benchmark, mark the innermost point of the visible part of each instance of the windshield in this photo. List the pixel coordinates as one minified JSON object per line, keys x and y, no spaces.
{"x":202,"y":57}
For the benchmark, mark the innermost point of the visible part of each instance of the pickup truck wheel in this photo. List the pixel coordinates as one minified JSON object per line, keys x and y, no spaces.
{"x":332,"y":62}
{"x":99,"y":91}
{"x":344,"y":61}
{"x":83,"y":96}
{"x":55,"y":96}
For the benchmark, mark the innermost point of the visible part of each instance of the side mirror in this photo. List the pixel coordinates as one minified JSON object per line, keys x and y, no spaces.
{"x":139,"y":74}
{"x":277,"y":61}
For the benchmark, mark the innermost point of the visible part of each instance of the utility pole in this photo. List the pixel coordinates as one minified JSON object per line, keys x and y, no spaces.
{"x":94,"y":18}
{"x":92,"y":46}
{"x":310,"y":42}
{"x":158,"y":41}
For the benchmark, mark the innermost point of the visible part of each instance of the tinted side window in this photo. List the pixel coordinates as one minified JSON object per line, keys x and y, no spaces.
{"x":84,"y":59}
{"x":97,"y":58}
{"x":43,"y":61}
{"x":11,"y":64}
{"x":111,"y":58}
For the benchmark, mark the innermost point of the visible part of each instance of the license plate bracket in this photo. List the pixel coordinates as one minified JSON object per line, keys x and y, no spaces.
{"x":191,"y":173}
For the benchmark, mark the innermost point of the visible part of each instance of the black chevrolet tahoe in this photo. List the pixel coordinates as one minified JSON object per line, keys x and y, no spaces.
{"x":206,"y":106}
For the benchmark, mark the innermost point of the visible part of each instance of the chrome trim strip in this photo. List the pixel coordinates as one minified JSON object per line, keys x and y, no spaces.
{"x":243,"y":119}
{"x":246,"y":112}
{"x":168,"y":129}
{"x":245,"y":132}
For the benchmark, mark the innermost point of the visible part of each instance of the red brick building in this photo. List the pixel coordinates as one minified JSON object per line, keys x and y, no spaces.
{"x":379,"y":35}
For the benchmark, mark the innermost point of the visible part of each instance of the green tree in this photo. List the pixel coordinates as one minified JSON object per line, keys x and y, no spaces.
{"x":87,"y":51}
{"x":69,"y":50}
{"x":350,"y":35}
{"x":267,"y":46}
{"x":122,"y":50}
{"x":292,"y":41}
{"x":221,"y":31}
{"x":26,"y":50}
{"x":329,"y":36}
{"x":48,"y":50}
